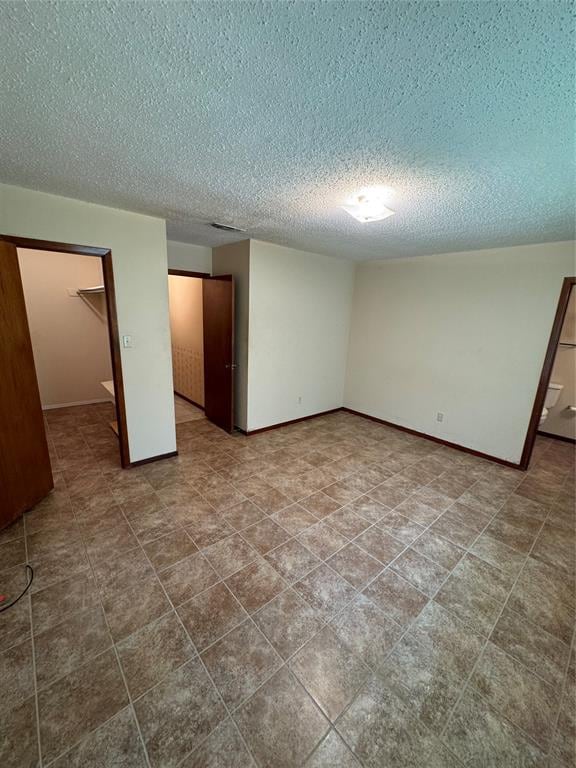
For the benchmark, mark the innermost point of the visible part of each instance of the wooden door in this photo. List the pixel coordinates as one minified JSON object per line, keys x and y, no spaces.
{"x":25,"y":472}
{"x":218,"y":319}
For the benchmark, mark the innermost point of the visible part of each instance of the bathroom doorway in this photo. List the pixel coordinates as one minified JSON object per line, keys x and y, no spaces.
{"x":561,"y":338}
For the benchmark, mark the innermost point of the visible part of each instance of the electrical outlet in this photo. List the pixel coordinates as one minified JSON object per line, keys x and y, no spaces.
{"x":439,"y":416}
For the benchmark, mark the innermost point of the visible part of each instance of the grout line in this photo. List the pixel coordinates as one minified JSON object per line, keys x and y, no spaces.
{"x":94,"y":730}
{"x":371,"y":525}
{"x":563,"y":689}
{"x":409,"y":625}
{"x":485,"y":645}
{"x":33,"y":648}
{"x":220,"y":697}
{"x":116,"y":656}
{"x":290,"y":585}
{"x":408,"y":628}
{"x":326,"y":623}
{"x":61,"y":677}
{"x":284,"y":662}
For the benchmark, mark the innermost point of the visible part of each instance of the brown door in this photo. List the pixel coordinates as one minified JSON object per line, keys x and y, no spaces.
{"x":25,"y":472}
{"x":218,"y":318}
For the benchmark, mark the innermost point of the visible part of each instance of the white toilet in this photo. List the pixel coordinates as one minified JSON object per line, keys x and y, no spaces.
{"x":551,"y":399}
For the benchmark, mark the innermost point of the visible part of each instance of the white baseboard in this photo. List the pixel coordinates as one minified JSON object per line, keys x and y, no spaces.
{"x":79,"y":402}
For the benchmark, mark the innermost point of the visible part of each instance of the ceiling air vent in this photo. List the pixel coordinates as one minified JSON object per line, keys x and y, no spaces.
{"x":226,"y":227}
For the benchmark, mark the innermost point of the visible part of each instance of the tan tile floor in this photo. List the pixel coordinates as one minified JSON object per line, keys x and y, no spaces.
{"x":185,"y":411}
{"x":328,"y":595}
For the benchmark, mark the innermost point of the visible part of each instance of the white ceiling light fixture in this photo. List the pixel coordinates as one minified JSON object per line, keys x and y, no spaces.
{"x":369,"y":204}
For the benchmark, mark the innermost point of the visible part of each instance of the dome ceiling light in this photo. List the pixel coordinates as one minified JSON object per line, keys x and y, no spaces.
{"x":369,"y":204}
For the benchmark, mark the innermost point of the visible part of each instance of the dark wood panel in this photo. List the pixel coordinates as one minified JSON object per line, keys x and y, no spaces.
{"x":49,"y":245}
{"x":218,"y":321}
{"x":151,"y":459}
{"x":25,"y":471}
{"x":187,"y":273}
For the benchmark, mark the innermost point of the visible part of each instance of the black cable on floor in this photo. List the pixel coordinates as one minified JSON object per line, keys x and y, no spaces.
{"x":30,"y":572}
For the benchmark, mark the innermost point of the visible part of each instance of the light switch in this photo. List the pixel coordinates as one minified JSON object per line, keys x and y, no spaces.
{"x":127,"y":342}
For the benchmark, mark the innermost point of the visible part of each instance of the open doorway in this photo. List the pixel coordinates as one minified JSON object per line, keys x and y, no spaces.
{"x":558,"y":418}
{"x":187,"y":341}
{"x":201,"y":311}
{"x":67,"y":315}
{"x":554,"y":410}
{"x":70,"y":311}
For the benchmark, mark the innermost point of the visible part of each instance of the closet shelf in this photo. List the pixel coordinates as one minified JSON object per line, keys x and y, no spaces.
{"x":94,"y":289}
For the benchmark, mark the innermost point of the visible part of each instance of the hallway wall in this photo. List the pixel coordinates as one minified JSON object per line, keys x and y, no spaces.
{"x":300,"y":307}
{"x":194,"y":258}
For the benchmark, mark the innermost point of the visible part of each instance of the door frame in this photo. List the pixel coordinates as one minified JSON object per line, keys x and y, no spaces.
{"x":231,"y":366}
{"x":188,"y":273}
{"x":546,"y":372}
{"x":105,"y":254}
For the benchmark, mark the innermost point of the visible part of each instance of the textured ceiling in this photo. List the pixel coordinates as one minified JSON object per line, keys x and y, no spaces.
{"x":270,"y":114}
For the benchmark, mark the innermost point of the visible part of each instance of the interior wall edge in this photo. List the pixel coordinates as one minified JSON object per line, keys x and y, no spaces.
{"x":299,"y":320}
{"x":439,"y":440}
{"x":287,"y":423}
{"x":189,"y":400}
{"x":72,"y":405}
{"x":553,"y":436}
{"x":152,"y":459}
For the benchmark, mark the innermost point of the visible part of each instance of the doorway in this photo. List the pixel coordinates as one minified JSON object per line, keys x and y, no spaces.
{"x":187,"y":342}
{"x":559,"y":339}
{"x":26,"y":470}
{"x":201,"y":311}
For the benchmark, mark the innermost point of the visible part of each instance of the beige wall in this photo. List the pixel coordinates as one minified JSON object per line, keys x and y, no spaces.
{"x":195,"y":258}
{"x":234,"y":259}
{"x":186,"y":327}
{"x":561,"y":420}
{"x":69,"y":333}
{"x":464,"y":334}
{"x":299,"y":322}
{"x":292,"y":319}
{"x":138,"y":245}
